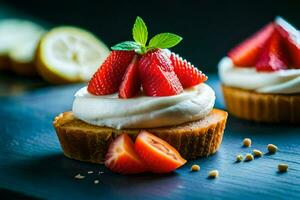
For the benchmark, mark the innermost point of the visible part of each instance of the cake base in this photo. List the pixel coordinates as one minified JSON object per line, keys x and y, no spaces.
{"x":272,"y":108}
{"x":85,"y":142}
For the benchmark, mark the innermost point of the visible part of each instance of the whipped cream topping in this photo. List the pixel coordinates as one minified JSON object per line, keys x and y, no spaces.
{"x":278,"y":82}
{"x":143,"y":111}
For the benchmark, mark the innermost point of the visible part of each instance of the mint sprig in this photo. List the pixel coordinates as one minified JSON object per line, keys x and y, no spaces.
{"x":140,"y":32}
{"x":140,"y":36}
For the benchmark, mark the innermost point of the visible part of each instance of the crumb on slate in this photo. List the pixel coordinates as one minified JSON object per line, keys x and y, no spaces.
{"x":213,"y":174}
{"x":79,"y":176}
{"x":195,"y":168}
{"x":247,"y":142}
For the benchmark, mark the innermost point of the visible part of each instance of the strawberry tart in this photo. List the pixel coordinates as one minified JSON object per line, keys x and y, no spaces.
{"x":142,"y":88}
{"x":261,"y":76}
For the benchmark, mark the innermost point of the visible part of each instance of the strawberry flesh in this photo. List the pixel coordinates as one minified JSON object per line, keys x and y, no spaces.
{"x":272,"y":56}
{"x":131,"y":82}
{"x":291,"y":37}
{"x":247,"y":53}
{"x":108,"y":77}
{"x":187,"y":74}
{"x":157,"y":74}
{"x":122,"y":158}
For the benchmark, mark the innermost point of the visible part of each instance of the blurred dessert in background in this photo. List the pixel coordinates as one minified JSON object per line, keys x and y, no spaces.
{"x":261,"y":76}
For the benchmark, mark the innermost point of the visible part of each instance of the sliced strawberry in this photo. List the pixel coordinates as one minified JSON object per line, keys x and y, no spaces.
{"x":159,"y":156}
{"x":131,"y":82}
{"x":272,"y":56}
{"x":187,"y":74}
{"x":157,"y":74}
{"x":291,"y":37}
{"x":122,"y":158}
{"x":108,"y":77}
{"x":246,"y":53}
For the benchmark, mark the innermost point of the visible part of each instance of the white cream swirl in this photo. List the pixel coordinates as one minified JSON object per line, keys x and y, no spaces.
{"x":143,"y":111}
{"x":278,"y":82}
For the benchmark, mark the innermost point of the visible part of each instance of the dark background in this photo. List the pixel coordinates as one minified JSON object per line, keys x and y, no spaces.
{"x":209,"y":28}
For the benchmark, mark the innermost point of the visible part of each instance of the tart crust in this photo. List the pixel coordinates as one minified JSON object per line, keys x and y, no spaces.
{"x":85,"y":142}
{"x":272,"y":108}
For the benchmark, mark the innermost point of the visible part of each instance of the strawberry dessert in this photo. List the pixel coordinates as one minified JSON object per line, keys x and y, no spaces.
{"x":145,"y":109}
{"x":261,"y":76}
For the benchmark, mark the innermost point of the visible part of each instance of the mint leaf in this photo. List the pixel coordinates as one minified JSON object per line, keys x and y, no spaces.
{"x":164,"y":40}
{"x":139,"y":31}
{"x":126,"y":46}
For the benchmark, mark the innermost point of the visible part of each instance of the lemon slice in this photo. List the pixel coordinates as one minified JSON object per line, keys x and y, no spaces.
{"x":13,"y":33}
{"x":69,"y":54}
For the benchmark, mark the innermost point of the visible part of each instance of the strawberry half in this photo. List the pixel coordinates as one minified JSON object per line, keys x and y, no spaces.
{"x":291,"y":37}
{"x":122,"y":158}
{"x":187,"y":74}
{"x":157,"y":74}
{"x":108,"y":77}
{"x":272,"y":56}
{"x":131,"y":82}
{"x":159,"y":156}
{"x":247,"y":53}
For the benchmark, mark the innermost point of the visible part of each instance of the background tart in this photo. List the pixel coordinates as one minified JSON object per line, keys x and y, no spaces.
{"x":261,"y":107}
{"x":85,"y":142}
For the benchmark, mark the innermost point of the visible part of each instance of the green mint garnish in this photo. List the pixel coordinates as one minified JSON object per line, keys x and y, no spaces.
{"x":140,"y":36}
{"x":164,"y":40}
{"x":139,"y":32}
{"x":127,"y":46}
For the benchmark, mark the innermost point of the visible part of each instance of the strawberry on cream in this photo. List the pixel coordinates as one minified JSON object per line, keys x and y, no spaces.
{"x":278,"y":82}
{"x":144,"y":111}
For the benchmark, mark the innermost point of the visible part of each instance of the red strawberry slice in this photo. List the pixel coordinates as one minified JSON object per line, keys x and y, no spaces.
{"x":122,"y":158}
{"x":247,"y":53}
{"x":272,"y":57}
{"x":131,"y":82}
{"x":291,"y":38}
{"x":157,"y":74}
{"x":187,"y":74}
{"x":108,"y":77}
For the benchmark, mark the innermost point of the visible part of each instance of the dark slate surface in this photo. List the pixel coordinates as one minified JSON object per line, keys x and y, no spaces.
{"x":32,"y":163}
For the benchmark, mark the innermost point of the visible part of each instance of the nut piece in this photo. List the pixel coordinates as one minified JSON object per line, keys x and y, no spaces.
{"x":282,"y":167}
{"x":257,"y":153}
{"x":213,"y":174}
{"x":272,"y":148}
{"x":249,"y":157}
{"x":79,"y":176}
{"x":96,"y":181}
{"x":239,"y":158}
{"x":195,"y":168}
{"x":247,"y":142}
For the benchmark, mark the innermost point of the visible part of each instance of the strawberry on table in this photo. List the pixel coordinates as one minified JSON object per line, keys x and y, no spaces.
{"x":159,"y":156}
{"x":122,"y":158}
{"x":187,"y":74}
{"x":272,"y":56}
{"x":108,"y":77}
{"x":247,"y":53}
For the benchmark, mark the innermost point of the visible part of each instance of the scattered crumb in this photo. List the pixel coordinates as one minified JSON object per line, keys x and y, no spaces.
{"x":272,"y":148}
{"x":257,"y":153}
{"x":100,"y":172}
{"x":79,"y":176}
{"x":282,"y":167}
{"x":239,"y":158}
{"x":213,"y":174}
{"x":195,"y":168}
{"x":90,"y":172}
{"x":247,"y":142}
{"x":96,"y":181}
{"x":249,"y":157}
